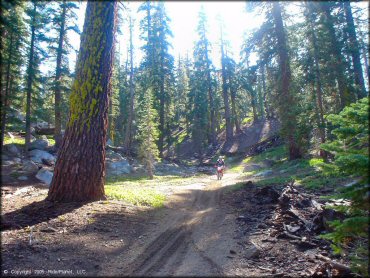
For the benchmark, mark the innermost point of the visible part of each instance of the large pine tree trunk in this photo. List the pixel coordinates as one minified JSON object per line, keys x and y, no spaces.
{"x":354,"y":50}
{"x":287,"y":102}
{"x":30,"y":73}
{"x":58,"y":75}
{"x":80,"y":169}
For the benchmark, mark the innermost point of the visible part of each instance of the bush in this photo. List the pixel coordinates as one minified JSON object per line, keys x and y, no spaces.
{"x":351,"y":149}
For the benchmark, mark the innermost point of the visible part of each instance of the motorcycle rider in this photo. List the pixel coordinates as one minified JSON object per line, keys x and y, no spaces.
{"x":220,"y":163}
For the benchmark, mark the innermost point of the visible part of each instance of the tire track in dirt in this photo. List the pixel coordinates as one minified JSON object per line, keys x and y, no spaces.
{"x":184,"y":241}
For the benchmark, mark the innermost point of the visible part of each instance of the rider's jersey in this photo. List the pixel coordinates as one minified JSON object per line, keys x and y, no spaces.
{"x":220,"y":163}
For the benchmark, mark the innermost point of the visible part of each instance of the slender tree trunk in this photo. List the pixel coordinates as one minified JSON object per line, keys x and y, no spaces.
{"x":128,"y":135}
{"x":366,"y":64}
{"x":30,"y":73}
{"x":233,"y":108}
{"x":265,"y":92}
{"x":7,"y":89}
{"x":287,"y":101}
{"x":211,"y":102}
{"x":318,"y":98}
{"x":161,"y":112}
{"x":80,"y":168}
{"x":354,"y":50}
{"x":229,"y":128}
{"x":254,"y":106}
{"x":58,"y":75}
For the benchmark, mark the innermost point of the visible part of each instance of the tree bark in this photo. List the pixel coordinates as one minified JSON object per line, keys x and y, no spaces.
{"x":30,"y":73}
{"x":80,"y":169}
{"x":354,"y":50}
{"x":287,"y":102}
{"x":58,"y":75}
{"x":128,"y":135}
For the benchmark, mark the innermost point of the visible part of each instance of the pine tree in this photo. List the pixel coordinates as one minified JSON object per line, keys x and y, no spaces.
{"x":80,"y":169}
{"x":162,"y":70}
{"x":64,"y":20}
{"x":228,"y":125}
{"x":129,"y":128}
{"x":12,"y":59}
{"x":39,"y":19}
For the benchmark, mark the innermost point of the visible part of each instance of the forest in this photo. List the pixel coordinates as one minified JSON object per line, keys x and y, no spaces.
{"x":115,"y":152}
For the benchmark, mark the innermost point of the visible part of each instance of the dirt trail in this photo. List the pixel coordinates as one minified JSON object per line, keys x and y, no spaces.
{"x":193,"y":238}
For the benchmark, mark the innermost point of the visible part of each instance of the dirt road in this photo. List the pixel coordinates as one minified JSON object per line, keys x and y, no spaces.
{"x":194,"y":237}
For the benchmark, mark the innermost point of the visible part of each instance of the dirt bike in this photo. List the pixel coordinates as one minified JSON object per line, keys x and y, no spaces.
{"x":220,"y":172}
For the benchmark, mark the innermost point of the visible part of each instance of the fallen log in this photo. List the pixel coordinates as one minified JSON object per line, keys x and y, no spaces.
{"x":341,"y":268}
{"x":44,"y":130}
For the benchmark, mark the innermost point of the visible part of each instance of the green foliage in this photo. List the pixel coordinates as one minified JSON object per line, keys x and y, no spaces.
{"x":350,"y":148}
{"x":135,"y":195}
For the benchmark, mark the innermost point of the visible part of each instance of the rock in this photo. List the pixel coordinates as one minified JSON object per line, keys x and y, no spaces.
{"x":252,"y":252}
{"x":45,"y":176}
{"x":38,"y":155}
{"x":113,"y":155}
{"x":7,"y":162}
{"x":109,"y":142}
{"x":4,"y":157}
{"x":23,"y":178}
{"x":30,"y":167}
{"x":263,"y":173}
{"x":12,"y":149}
{"x":47,"y":162}
{"x":17,"y":160}
{"x":116,"y":168}
{"x":39,"y":144}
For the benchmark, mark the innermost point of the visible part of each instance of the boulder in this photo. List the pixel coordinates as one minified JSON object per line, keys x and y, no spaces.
{"x":38,"y":155}
{"x":30,"y":166}
{"x":13,"y":150}
{"x":7,"y":162}
{"x":109,"y":142}
{"x":4,"y":157}
{"x":45,"y":176}
{"x":117,"y":168}
{"x":39,"y":144}
{"x":23,"y":178}
{"x":113,"y":155}
{"x":17,"y":160}
{"x":252,"y":252}
{"x":263,"y":173}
